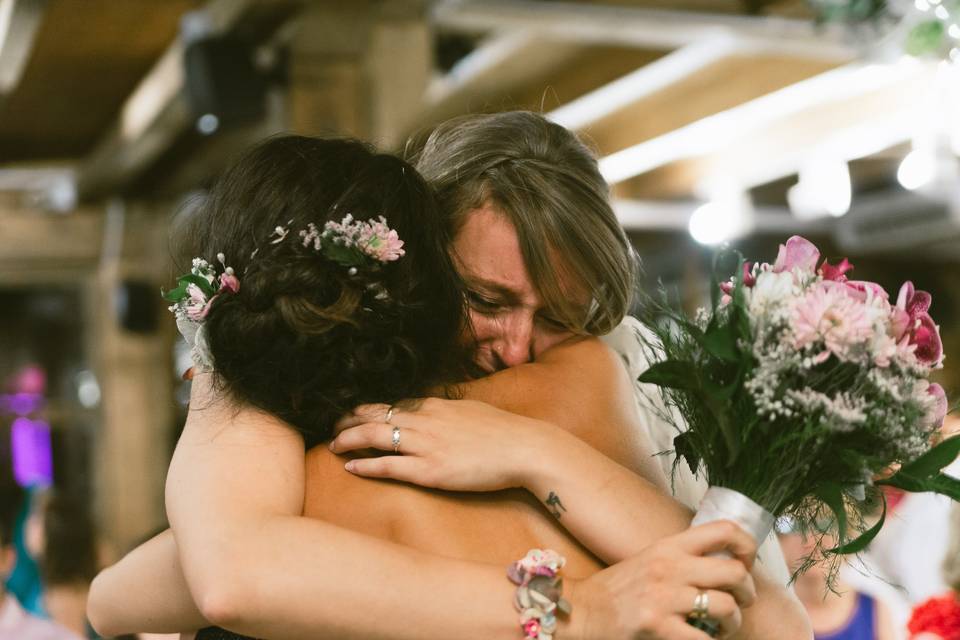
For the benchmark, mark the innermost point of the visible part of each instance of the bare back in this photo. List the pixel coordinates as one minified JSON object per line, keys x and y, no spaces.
{"x":487,"y":527}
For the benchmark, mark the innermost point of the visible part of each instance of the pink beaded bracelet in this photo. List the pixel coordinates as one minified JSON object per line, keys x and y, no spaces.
{"x":539,"y":592}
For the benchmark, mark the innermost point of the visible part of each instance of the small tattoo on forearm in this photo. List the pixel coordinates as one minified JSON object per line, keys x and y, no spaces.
{"x":553,"y":501}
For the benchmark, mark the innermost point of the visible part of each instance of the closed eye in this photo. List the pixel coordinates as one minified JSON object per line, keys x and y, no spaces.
{"x":482,"y":304}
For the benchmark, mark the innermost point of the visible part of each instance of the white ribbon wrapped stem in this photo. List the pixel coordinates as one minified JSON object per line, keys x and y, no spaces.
{"x":726,"y":504}
{"x":720,"y":503}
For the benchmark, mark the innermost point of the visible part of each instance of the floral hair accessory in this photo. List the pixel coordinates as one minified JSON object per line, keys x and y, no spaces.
{"x":539,"y":592}
{"x":192,"y":298}
{"x":354,"y":244}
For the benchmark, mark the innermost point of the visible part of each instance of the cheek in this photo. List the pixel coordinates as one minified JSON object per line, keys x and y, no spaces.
{"x":484,"y":328}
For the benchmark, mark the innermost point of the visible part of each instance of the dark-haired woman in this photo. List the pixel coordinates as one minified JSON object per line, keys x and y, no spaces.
{"x":313,"y":335}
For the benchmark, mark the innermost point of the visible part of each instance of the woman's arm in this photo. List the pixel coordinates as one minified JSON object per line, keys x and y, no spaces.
{"x":144,"y":592}
{"x":610,"y":495}
{"x":254,"y":567}
{"x":645,"y":596}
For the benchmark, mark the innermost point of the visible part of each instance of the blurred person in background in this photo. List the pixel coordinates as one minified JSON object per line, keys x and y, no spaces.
{"x":903,"y":564}
{"x":61,"y":536}
{"x":838,"y":611}
{"x":15,"y":622}
{"x":938,"y":618}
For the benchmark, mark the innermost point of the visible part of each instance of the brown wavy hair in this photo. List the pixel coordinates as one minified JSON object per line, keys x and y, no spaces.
{"x":304,"y":339}
{"x":546,"y":181}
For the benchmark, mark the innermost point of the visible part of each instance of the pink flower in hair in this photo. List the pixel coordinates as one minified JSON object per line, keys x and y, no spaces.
{"x":229,"y":282}
{"x":196,"y":306}
{"x":797,"y":253}
{"x":380,"y":242}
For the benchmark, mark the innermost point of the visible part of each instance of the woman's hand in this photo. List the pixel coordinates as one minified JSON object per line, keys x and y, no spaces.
{"x":651,"y":595}
{"x":457,"y":445}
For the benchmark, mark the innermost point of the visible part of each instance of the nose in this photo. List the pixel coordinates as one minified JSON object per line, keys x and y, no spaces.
{"x":516,"y":345}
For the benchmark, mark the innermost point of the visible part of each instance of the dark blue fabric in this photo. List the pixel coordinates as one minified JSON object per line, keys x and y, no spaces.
{"x":862,"y":625}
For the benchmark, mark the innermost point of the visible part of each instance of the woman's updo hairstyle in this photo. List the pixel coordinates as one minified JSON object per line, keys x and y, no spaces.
{"x":305,"y":338}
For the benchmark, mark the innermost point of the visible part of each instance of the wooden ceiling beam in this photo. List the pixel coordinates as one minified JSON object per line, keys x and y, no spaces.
{"x":36,"y":245}
{"x":157,"y":113}
{"x":850,"y":112}
{"x":502,"y":64}
{"x":682,"y":87}
{"x":19,"y":22}
{"x":651,"y":28}
{"x":665,"y":216}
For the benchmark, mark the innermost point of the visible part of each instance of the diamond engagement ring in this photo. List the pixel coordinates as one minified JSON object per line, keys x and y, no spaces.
{"x":396,"y":439}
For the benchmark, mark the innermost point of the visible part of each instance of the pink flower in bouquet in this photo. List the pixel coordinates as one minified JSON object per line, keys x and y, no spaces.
{"x":835,"y":273}
{"x":828,"y":313}
{"x":912,"y":322}
{"x":727,"y":287}
{"x":862,"y":289}
{"x":797,"y":253}
{"x":748,"y":281}
{"x":748,"y":278}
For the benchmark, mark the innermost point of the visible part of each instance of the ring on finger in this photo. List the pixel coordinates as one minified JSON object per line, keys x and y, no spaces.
{"x":396,"y":439}
{"x":389,"y":415}
{"x":701,"y":606}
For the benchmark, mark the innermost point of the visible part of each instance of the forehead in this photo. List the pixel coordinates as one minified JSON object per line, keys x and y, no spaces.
{"x":487,"y":251}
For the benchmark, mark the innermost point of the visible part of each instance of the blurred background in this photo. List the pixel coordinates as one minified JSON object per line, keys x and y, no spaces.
{"x":715,"y":121}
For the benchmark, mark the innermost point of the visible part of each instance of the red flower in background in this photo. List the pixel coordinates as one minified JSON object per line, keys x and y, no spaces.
{"x":940,"y":616}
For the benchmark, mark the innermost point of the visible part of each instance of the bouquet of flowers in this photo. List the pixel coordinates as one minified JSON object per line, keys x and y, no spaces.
{"x":800,"y":392}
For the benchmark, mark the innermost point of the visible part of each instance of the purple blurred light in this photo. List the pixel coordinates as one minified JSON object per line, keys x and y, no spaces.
{"x":32,"y":452}
{"x":21,"y":404}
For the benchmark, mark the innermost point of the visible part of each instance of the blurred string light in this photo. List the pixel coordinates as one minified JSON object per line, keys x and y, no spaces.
{"x":917,"y":169}
{"x":208,"y":123}
{"x":727,"y":216}
{"x":823,"y":188}
{"x":88,"y":389}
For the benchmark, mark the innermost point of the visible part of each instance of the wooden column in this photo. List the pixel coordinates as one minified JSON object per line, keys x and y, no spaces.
{"x":359,"y":69}
{"x":136,"y":377}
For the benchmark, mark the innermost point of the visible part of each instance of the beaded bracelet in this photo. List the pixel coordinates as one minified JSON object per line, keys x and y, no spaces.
{"x":539,"y":592}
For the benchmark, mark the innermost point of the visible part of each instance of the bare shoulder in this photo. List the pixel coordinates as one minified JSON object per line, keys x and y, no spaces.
{"x":583,"y":386}
{"x":578,"y":371}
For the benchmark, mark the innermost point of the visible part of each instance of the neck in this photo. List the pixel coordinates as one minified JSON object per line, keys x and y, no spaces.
{"x":811,"y":589}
